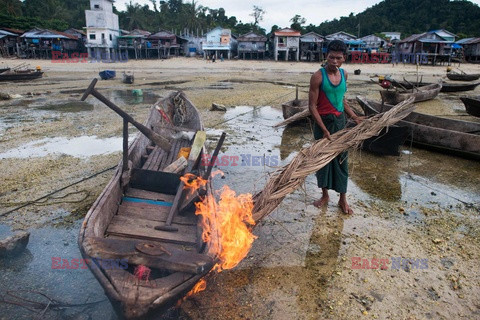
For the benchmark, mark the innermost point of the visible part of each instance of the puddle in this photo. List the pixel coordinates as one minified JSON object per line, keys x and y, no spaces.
{"x":80,"y":147}
{"x":5,"y":231}
{"x":32,"y":271}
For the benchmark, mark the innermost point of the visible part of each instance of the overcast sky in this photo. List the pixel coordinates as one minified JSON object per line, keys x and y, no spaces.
{"x":280,"y":12}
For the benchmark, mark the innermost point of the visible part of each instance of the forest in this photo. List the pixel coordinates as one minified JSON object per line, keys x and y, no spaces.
{"x":406,"y":16}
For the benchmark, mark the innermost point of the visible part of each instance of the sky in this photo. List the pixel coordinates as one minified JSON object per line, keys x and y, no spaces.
{"x":280,"y":12}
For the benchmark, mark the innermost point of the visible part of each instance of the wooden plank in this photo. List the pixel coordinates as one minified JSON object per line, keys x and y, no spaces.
{"x":164,"y":257}
{"x":157,"y":160}
{"x":151,"y":155}
{"x":144,"y":194}
{"x":144,"y":229}
{"x":177,"y":165}
{"x":152,"y":212}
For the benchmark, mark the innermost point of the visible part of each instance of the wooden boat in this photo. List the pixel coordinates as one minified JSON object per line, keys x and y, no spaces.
{"x":421,"y":94}
{"x":121,"y":224}
{"x":20,"y":75}
{"x":472,"y":105}
{"x":293,"y":107}
{"x":446,"y":86}
{"x":107,"y":74}
{"x":462,"y":76}
{"x":388,"y":142}
{"x":128,"y":78}
{"x":458,"y":137}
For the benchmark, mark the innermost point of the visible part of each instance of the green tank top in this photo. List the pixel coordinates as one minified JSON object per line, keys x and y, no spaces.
{"x":333,"y":93}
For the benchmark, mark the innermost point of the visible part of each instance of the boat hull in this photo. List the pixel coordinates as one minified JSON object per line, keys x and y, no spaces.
{"x":461,"y":138}
{"x":472,"y":105}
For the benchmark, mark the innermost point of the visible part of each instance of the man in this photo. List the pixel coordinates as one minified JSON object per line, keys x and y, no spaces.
{"x":328,"y":107}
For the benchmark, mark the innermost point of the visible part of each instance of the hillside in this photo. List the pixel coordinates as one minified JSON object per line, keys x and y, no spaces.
{"x":408,"y":17}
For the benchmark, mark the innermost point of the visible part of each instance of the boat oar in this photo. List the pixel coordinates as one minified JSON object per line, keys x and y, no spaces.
{"x":153,"y":136}
{"x":201,"y":192}
{"x":197,"y":146}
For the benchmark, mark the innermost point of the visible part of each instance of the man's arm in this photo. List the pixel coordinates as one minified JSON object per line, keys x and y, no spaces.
{"x":315,"y":83}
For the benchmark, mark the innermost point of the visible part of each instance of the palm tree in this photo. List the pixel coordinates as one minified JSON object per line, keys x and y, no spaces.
{"x":135,"y":17}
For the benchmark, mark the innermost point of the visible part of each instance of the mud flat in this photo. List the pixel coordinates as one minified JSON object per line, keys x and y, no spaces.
{"x":421,"y":207}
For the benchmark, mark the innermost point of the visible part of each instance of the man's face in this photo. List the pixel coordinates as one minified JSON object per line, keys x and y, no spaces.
{"x":335,"y":58}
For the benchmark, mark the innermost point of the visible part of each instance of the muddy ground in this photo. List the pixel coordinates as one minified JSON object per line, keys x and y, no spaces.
{"x":422,"y":205}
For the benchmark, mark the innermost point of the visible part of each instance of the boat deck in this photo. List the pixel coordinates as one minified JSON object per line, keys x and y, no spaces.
{"x":143,"y":207}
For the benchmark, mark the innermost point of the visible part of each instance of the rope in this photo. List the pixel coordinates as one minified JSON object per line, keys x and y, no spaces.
{"x":56,"y":191}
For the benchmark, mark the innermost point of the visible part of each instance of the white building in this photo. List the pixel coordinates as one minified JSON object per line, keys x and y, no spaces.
{"x":286,"y":41}
{"x":102,"y":30}
{"x":218,"y":42}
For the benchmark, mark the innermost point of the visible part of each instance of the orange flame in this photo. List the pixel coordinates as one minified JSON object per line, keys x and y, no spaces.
{"x":200,"y":286}
{"x":227,"y":225}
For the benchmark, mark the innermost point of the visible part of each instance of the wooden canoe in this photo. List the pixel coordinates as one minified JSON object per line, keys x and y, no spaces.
{"x":16,"y":75}
{"x":293,"y":107}
{"x":121,"y":223}
{"x":420,"y":94}
{"x":472,"y":105}
{"x":461,"y":138}
{"x":462,"y":77}
{"x":446,"y":86}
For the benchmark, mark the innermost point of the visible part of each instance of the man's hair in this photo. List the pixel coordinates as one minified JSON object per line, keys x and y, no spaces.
{"x":338,"y":46}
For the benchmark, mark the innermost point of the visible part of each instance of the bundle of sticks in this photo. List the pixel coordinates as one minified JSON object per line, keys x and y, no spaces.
{"x":309,"y":160}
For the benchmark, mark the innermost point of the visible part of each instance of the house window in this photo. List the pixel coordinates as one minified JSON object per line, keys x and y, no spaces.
{"x":96,"y":6}
{"x":111,"y":37}
{"x":92,"y":36}
{"x":103,"y":35}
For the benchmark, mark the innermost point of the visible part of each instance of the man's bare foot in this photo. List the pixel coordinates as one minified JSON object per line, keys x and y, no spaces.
{"x":345,"y":207}
{"x":321,"y":202}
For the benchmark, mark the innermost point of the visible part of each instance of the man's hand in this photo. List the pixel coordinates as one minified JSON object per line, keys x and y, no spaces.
{"x":358,"y":119}
{"x":326,"y":134}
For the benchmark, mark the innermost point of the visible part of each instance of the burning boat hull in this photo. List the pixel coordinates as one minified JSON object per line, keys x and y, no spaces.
{"x":143,"y":270}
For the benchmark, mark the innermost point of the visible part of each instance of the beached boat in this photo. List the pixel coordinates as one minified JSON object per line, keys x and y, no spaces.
{"x":128,"y":78}
{"x":125,"y":222}
{"x":293,"y":107}
{"x":20,"y":75}
{"x":388,"y":142}
{"x":420,"y":94}
{"x":462,"y":76}
{"x":472,"y":105}
{"x":4,"y":69}
{"x":457,"y":137}
{"x":446,"y":86}
{"x":107,"y":74}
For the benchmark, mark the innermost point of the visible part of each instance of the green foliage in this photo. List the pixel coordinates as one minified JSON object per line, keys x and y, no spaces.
{"x":409,"y":17}
{"x":26,"y":23}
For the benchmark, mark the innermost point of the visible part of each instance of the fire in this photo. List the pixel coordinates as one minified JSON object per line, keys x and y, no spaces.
{"x":227,"y":224}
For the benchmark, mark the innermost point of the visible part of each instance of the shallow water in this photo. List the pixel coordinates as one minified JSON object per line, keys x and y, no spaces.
{"x":295,"y":243}
{"x":80,"y":147}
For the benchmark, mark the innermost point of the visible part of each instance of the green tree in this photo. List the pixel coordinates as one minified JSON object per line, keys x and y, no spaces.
{"x":11,"y":7}
{"x":297,"y":22}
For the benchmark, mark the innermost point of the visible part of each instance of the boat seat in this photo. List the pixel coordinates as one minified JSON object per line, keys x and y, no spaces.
{"x":148,"y":253}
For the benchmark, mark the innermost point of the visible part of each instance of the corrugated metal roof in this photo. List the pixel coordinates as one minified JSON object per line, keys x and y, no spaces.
{"x":252,"y":36}
{"x":7,"y":33}
{"x":47,"y":34}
